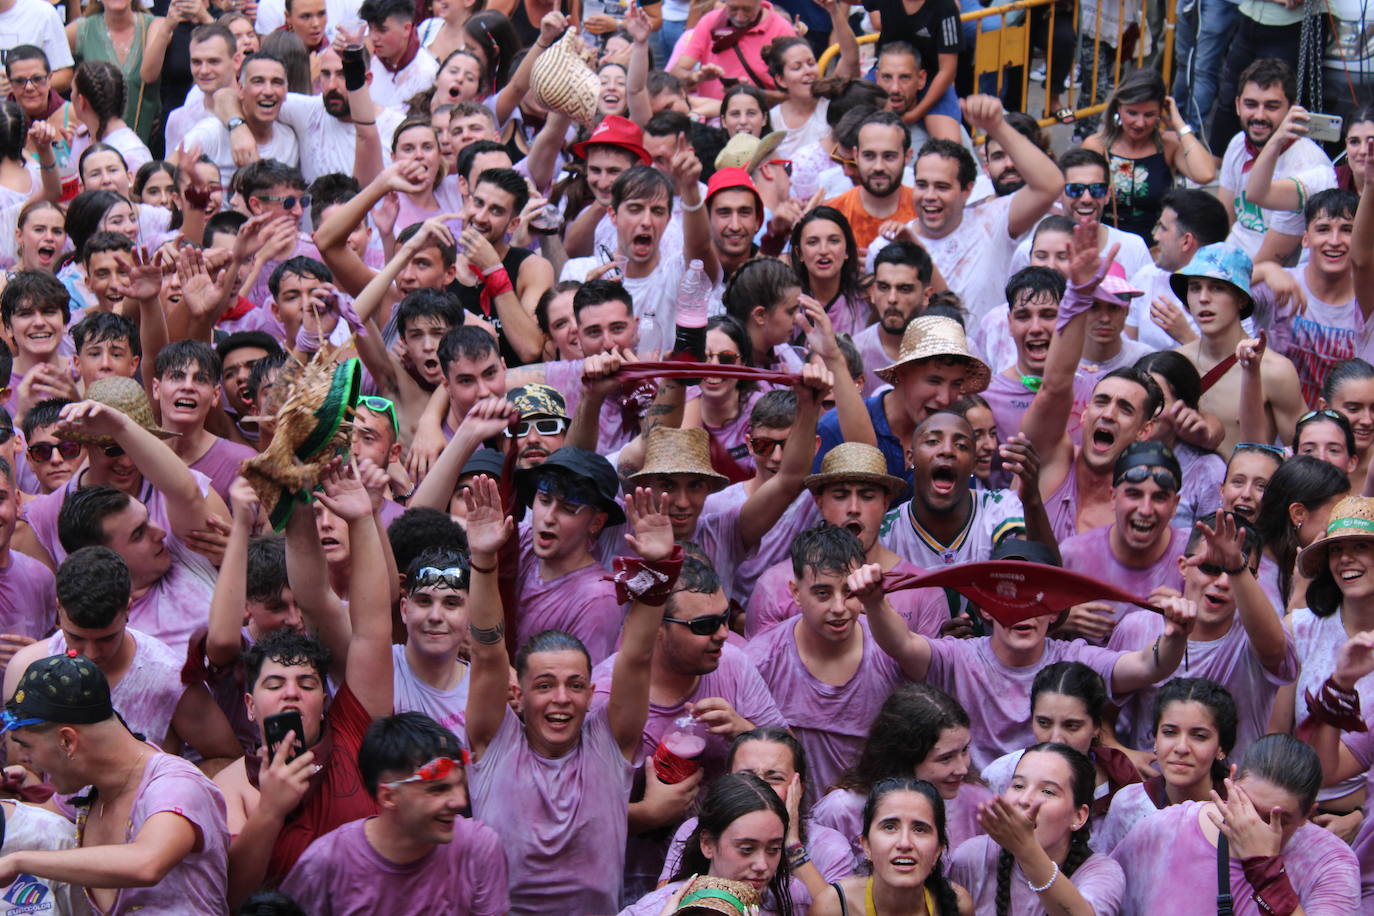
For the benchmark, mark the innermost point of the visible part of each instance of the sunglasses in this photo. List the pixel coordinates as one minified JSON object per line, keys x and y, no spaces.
{"x":762,"y":446}
{"x":1259,"y":447}
{"x":1141,"y":473}
{"x":42,"y":451}
{"x":725,"y":358}
{"x":1326,"y":412}
{"x":703,"y":626}
{"x":549,"y":426}
{"x":382,"y":406}
{"x":113,"y":451}
{"x":1098,"y":189}
{"x":288,"y":203}
{"x":785,"y":164}
{"x":1210,"y":569}
{"x":842,"y":160}
{"x":455,"y":577}
{"x":436,"y":769}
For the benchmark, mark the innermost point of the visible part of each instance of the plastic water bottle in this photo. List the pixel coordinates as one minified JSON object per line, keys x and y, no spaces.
{"x":690,"y":343}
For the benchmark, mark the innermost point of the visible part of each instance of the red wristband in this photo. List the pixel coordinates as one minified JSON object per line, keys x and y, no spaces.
{"x":645,"y":581}
{"x":1274,"y":893}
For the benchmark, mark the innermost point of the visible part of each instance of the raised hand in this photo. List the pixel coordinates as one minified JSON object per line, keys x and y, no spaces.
{"x":1171,"y":320}
{"x":92,"y":419}
{"x":983,"y":112}
{"x":866,"y":584}
{"x":814,"y":321}
{"x":552,"y":27}
{"x":1180,"y":615}
{"x":488,"y":525}
{"x":488,"y":417}
{"x":343,"y":493}
{"x":385,"y":214}
{"x":243,"y":501}
{"x":816,"y":382}
{"x":1172,"y":116}
{"x":1293,"y":127}
{"x":1020,"y":457}
{"x":637,"y":24}
{"x":478,"y":250}
{"x":1093,"y":620}
{"x":599,"y":372}
{"x":685,"y":167}
{"x":405,"y":175}
{"x":145,"y":277}
{"x":200,"y":294}
{"x":1008,"y":826}
{"x":1250,"y":352}
{"x":197,"y":193}
{"x":651,"y":533}
{"x":283,"y":783}
{"x":1223,"y":546}
{"x":1354,"y":660}
{"x":1086,"y":266}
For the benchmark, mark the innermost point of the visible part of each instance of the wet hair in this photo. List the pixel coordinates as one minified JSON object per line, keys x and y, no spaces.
{"x":507,"y":180}
{"x":1218,"y":702}
{"x":180,"y":354}
{"x":1288,"y":763}
{"x":774,"y":734}
{"x":93,"y":587}
{"x":759,"y":281}
{"x":731,"y":797}
{"x":35,"y":289}
{"x":906,"y":254}
{"x":1178,"y":371}
{"x":98,"y":327}
{"x":936,"y":883}
{"x":80,"y":523}
{"x":445,"y":557}
{"x":1154,"y":398}
{"x":1347,"y":370}
{"x":697,"y":577}
{"x":641,"y":182}
{"x":496,"y":36}
{"x":1250,"y":536}
{"x":1267,"y":72}
{"x":466,"y":341}
{"x":14,"y":131}
{"x":1084,"y":782}
{"x":777,"y":409}
{"x":270,"y":364}
{"x":1340,"y":420}
{"x":599,"y":292}
{"x":43,"y":414}
{"x":1031,"y":283}
{"x":448,"y":254}
{"x":401,"y":744}
{"x":241,"y":339}
{"x":101,"y":84}
{"x":849,"y":268}
{"x":298,"y":266}
{"x":948,"y":149}
{"x":287,"y":47}
{"x":549,"y":641}
{"x":285,"y":647}
{"x":1072,"y":679}
{"x":1310,"y":482}
{"x":329,"y":189}
{"x":1143,"y":85}
{"x":102,"y":242}
{"x":1333,"y":203}
{"x":266,"y":567}
{"x":884,"y":118}
{"x":85,"y":213}
{"x":1199,"y":214}
{"x":428,"y":303}
{"x":902,"y":735}
{"x":754,"y":93}
{"x":267,"y":173}
{"x":419,"y":529}
{"x":825,"y":548}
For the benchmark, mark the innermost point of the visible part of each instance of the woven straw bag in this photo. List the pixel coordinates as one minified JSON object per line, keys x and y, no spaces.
{"x":564,"y":81}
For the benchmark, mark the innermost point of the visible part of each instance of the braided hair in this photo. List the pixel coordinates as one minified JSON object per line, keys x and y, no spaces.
{"x":14,"y":131}
{"x":936,"y":882}
{"x":1084,"y":782}
{"x":102,"y":85}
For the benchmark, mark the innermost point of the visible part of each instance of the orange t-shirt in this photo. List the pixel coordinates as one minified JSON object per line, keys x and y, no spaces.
{"x":864,"y":226}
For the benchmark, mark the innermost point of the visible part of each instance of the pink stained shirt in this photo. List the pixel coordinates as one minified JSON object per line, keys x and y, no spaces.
{"x":1090,"y":553}
{"x":1318,"y":639}
{"x":341,"y":874}
{"x":561,"y":821}
{"x":1171,"y":867}
{"x":1361,"y":746}
{"x":146,"y":697}
{"x":1098,"y":879}
{"x":581,"y":602}
{"x":199,"y":883}
{"x":28,"y":597}
{"x":447,"y":707}
{"x":843,"y":810}
{"x":769,"y":26}
{"x":221,"y":464}
{"x":771,"y":602}
{"x":1231,"y":661}
{"x":831,"y":721}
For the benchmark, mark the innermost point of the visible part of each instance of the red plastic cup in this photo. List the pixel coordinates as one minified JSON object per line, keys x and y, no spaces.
{"x":678,"y":756}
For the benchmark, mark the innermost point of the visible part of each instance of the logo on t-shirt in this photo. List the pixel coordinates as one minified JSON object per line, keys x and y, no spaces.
{"x":28,"y":895}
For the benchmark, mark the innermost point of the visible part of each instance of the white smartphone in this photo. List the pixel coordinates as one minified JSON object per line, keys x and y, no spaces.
{"x":1323,"y":128}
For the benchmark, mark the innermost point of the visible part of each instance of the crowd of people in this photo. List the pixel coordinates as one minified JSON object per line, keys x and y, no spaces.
{"x":433,"y":482}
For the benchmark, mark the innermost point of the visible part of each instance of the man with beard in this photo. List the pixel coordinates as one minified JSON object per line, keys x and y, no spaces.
{"x":901,"y":288}
{"x":1190,"y":219}
{"x":212,"y":68}
{"x":735,"y":213}
{"x":883,"y":152}
{"x":1267,"y":90}
{"x":1005,"y":177}
{"x":1138,"y":552}
{"x":542,"y":427}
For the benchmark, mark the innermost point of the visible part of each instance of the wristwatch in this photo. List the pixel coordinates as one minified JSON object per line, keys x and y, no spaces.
{"x":233,"y":122}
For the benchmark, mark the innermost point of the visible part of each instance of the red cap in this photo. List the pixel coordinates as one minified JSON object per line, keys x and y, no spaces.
{"x":730,"y":178}
{"x":616,"y":131}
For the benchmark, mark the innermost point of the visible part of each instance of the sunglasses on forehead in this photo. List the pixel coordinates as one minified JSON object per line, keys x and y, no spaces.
{"x":1141,"y":473}
{"x":455,"y":577}
{"x":434,"y":770}
{"x":1259,"y":447}
{"x":703,"y":626}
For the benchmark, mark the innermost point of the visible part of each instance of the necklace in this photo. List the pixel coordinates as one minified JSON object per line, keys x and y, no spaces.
{"x":127,"y":777}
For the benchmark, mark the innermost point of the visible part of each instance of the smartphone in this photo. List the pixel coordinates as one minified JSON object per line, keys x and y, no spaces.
{"x":276,"y":727}
{"x":607,"y":255}
{"x":1323,"y":128}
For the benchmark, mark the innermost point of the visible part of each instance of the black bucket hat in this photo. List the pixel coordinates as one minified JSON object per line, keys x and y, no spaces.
{"x":579,"y":462}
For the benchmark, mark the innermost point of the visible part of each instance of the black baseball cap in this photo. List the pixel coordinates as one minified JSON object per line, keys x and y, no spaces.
{"x":581,"y":463}
{"x":1010,"y":548}
{"x":484,"y":461}
{"x":64,"y":689}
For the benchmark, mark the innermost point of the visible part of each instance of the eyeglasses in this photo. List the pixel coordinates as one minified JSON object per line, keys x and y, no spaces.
{"x":24,"y":82}
{"x":42,"y":451}
{"x":703,"y":626}
{"x":785,"y":164}
{"x":382,"y":406}
{"x":546,"y":426}
{"x":1098,"y":189}
{"x":1326,"y":412}
{"x":1259,"y":447}
{"x":436,"y":769}
{"x":455,"y":577}
{"x":288,"y":203}
{"x":1164,"y":478}
{"x":114,"y":451}
{"x":725,"y":358}
{"x":1209,"y":569}
{"x":762,"y":446}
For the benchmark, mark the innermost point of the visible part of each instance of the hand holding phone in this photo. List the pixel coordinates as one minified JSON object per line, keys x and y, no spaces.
{"x":276,"y":727}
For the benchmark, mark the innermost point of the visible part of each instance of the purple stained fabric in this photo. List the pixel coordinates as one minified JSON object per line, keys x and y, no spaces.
{"x":1090,"y":553}
{"x":581,"y":602}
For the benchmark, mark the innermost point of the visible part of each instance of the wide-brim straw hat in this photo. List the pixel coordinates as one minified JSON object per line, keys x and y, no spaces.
{"x":1352,"y":519}
{"x":719,"y":895}
{"x":748,"y":152}
{"x":563,"y":81}
{"x":855,"y":462}
{"x":126,"y":396}
{"x":669,"y":450}
{"x":930,"y":336}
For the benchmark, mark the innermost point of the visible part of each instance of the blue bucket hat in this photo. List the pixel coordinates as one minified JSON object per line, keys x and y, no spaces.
{"x":1220,"y":261}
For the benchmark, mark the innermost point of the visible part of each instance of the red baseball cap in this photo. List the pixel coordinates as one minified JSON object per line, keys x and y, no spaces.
{"x":616,"y":131}
{"x":730,"y":178}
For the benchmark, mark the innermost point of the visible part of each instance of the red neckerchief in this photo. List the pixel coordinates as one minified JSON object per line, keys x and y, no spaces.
{"x":55,"y":103}
{"x":412,"y":49}
{"x":237,"y":310}
{"x":1121,"y":772}
{"x":729,"y":35}
{"x":1252,"y":151}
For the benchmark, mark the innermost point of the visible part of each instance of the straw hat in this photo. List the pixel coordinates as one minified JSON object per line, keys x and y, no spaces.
{"x":718,"y":895}
{"x":930,"y":336}
{"x":669,"y":450}
{"x":748,"y":152}
{"x":1351,"y":519}
{"x":855,"y":462}
{"x":313,"y":425}
{"x":124,"y":395}
{"x":563,"y":81}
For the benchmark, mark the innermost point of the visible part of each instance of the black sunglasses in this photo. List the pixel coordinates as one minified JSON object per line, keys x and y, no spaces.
{"x":703,"y":626}
{"x":1211,"y":569}
{"x":114,"y":451}
{"x":1140,"y":473}
{"x":42,"y":451}
{"x":1075,"y":189}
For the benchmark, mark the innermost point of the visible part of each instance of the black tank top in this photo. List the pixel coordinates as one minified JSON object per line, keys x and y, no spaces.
{"x":470,"y":297}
